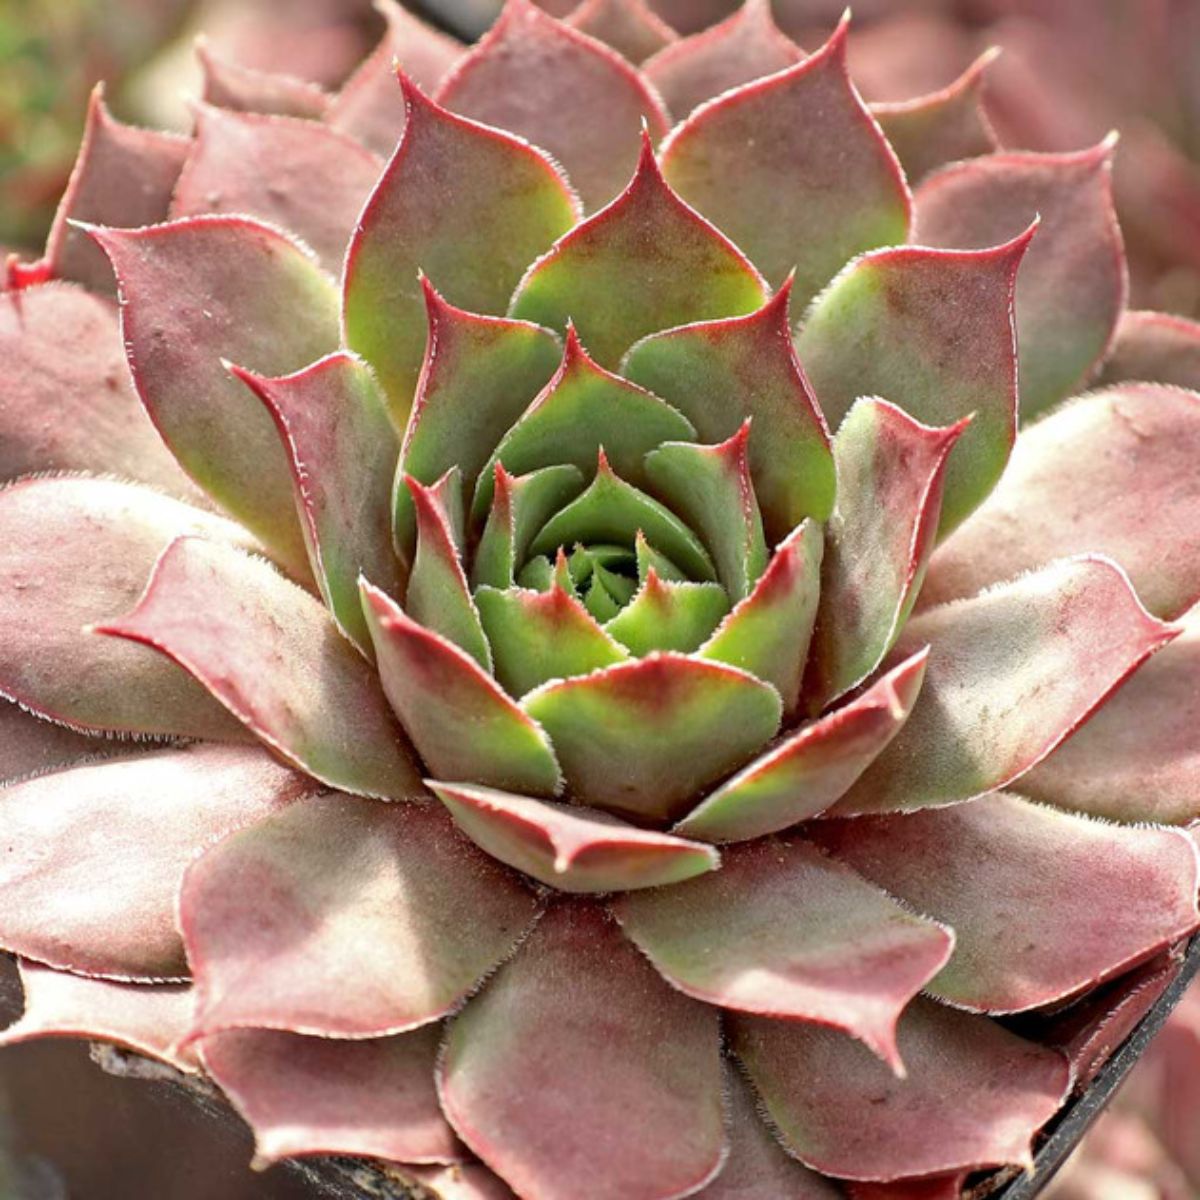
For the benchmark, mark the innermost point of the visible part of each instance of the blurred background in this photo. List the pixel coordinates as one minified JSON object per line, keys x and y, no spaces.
{"x":1070,"y":71}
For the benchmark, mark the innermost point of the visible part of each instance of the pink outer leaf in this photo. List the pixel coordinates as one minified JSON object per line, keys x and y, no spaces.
{"x":204,"y":287}
{"x":231,"y":86}
{"x":76,"y":411}
{"x":1132,"y":491}
{"x":735,"y":939}
{"x":1073,"y":284}
{"x":687,"y":16}
{"x":630,"y":27}
{"x":573,"y":96}
{"x":1154,"y":346}
{"x":150,"y":1020}
{"x":279,"y":918}
{"x":342,"y":449}
{"x":83,"y":887}
{"x":811,"y":769}
{"x":794,"y":169}
{"x":578,"y":1071}
{"x":270,"y":653}
{"x":738,"y":50}
{"x":77,"y":551}
{"x":461,"y":721}
{"x":1138,"y":758}
{"x":942,"y":127}
{"x":891,"y":475}
{"x":1043,"y":903}
{"x":1012,"y":672}
{"x":974,"y":1096}
{"x":369,"y":107}
{"x":571,"y":848}
{"x":308,"y":179}
{"x":467,"y":205}
{"x":123,"y":176}
{"x":305,"y":1095}
{"x":31,"y":746}
{"x":932,"y":331}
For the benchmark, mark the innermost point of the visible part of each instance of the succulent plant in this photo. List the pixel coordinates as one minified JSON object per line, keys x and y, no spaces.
{"x":601,"y":698}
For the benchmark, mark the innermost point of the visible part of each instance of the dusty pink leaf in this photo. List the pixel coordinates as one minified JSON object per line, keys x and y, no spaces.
{"x":573,"y":96}
{"x":150,"y":1020}
{"x":271,"y":654}
{"x":794,"y":169}
{"x":227,"y":84}
{"x":1072,"y":286}
{"x":206,"y":287}
{"x":738,"y":50}
{"x":1132,"y":491}
{"x":568,"y":847}
{"x":731,"y":939}
{"x":1154,"y":346}
{"x":77,"y":411}
{"x":1043,"y":903}
{"x":85,"y":887}
{"x":578,"y":1071}
{"x":687,"y":16}
{"x":812,"y":768}
{"x":30,"y":745}
{"x":974,"y":1095}
{"x":79,"y":551}
{"x":309,"y":180}
{"x":306,"y":1095}
{"x":630,"y":27}
{"x":1011,"y":673}
{"x":280,"y":916}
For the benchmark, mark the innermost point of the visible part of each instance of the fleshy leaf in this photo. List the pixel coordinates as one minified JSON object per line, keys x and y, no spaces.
{"x":30,"y":745}
{"x":77,"y":411}
{"x":521,"y":505}
{"x":271,"y":654}
{"x":78,"y":551}
{"x":669,"y":616}
{"x":932,"y":331}
{"x":891,"y":471}
{"x":812,"y":768}
{"x":206,"y":287}
{"x":280,"y":916}
{"x":85,"y":886}
{"x":237,"y":88}
{"x":814,"y":182}
{"x":291,"y":172}
{"x":576,"y":98}
{"x":942,"y":127}
{"x":467,"y":205}
{"x":1154,"y":346}
{"x":641,"y":737}
{"x":1011,"y":673}
{"x":710,"y":487}
{"x":647,"y":557}
{"x":306,"y":1095}
{"x":611,"y":510}
{"x":738,"y":50}
{"x":1043,"y":903}
{"x":570,"y":848}
{"x":1132,"y":492}
{"x":537,"y":636}
{"x":733,"y":939}
{"x":461,"y":721}
{"x":1138,"y":758}
{"x":843,"y":1112}
{"x":768,"y":633}
{"x":718,"y":373}
{"x":635,"y":1065}
{"x":342,"y":450}
{"x":149,"y":1020}
{"x":438,"y":595}
{"x":645,"y":262}
{"x":1073,"y":285}
{"x":582,"y":410}
{"x":630,"y":27}
{"x":479,"y":375}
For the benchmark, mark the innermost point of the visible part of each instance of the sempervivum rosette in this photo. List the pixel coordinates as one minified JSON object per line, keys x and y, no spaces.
{"x":563,"y":694}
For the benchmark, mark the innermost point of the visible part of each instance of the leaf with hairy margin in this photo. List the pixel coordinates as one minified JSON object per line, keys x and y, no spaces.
{"x":1154,"y":346}
{"x":238,"y":88}
{"x":630,"y":27}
